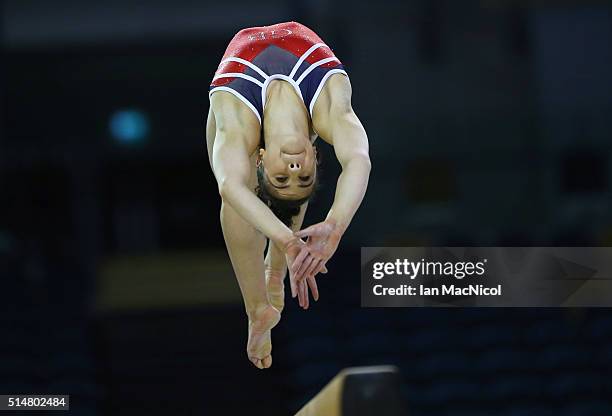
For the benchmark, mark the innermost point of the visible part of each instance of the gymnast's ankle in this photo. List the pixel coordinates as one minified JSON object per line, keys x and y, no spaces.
{"x":257,"y":312}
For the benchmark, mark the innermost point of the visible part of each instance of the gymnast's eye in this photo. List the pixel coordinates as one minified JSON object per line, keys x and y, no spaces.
{"x":282,"y":179}
{"x":304,"y":178}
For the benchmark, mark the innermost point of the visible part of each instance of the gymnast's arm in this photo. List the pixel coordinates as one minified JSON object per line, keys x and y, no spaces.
{"x":341,"y":127}
{"x":275,"y":261}
{"x":337,"y":123}
{"x":232,"y":168}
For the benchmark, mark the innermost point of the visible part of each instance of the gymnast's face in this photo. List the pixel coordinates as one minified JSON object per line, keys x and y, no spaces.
{"x":289,"y":166}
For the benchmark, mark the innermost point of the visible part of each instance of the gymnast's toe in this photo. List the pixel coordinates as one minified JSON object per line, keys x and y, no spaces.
{"x":257,"y":362}
{"x":267,"y":362}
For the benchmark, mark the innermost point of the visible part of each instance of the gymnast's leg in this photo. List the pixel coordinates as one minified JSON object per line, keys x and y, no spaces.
{"x":276,"y":266}
{"x":246,"y":246}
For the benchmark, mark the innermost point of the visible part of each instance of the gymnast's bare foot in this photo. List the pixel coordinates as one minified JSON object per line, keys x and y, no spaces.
{"x":276,"y":288}
{"x":259,"y":346}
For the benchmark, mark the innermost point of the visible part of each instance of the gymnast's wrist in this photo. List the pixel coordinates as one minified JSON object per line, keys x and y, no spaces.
{"x":338,"y":227}
{"x":288,"y":243}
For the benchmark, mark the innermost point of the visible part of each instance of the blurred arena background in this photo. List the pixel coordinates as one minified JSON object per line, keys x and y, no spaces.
{"x":490,"y":123}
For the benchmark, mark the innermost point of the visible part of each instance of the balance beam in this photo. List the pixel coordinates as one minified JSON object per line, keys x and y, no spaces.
{"x":359,"y":391}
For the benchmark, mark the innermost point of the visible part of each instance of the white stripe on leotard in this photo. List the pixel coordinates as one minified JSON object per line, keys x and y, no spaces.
{"x":283,"y":77}
{"x":247,"y":63}
{"x":238,"y":75}
{"x":303,"y":58}
{"x":239,"y":96}
{"x":313,"y":66}
{"x":321,"y":84}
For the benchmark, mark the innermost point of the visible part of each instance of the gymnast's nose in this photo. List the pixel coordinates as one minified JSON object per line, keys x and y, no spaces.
{"x":294,"y":162}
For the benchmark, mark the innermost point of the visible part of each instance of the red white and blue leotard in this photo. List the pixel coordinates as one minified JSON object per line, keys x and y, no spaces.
{"x":288,"y":51}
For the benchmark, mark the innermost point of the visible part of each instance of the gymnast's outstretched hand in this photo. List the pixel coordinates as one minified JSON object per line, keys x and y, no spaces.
{"x":322,"y":242}
{"x":297,"y":253}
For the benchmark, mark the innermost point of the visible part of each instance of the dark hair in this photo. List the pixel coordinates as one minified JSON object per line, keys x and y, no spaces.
{"x":284,"y":209}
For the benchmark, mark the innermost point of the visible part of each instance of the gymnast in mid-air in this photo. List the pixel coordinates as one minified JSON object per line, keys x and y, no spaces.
{"x":275,"y":91}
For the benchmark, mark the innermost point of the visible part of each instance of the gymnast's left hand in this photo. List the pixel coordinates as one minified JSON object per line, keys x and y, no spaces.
{"x":322,"y":243}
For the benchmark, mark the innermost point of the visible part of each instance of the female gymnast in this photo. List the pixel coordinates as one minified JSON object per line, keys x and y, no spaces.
{"x":276,"y":89}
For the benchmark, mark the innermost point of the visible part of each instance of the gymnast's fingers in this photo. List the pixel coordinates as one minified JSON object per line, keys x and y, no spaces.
{"x":300,"y":294}
{"x":297,"y":262}
{"x":320,"y":268}
{"x":292,"y":283}
{"x":312,"y":283}
{"x":305,"y":294}
{"x":299,"y":276}
{"x":314,"y":266}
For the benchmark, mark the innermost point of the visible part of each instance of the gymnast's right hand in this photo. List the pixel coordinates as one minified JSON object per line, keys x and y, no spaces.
{"x":296,"y":253}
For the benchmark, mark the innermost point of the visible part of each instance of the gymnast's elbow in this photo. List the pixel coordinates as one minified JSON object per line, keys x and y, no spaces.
{"x":224,"y":188}
{"x":367,"y":163}
{"x":361,"y":161}
{"x":227,"y":188}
